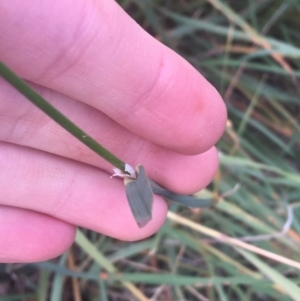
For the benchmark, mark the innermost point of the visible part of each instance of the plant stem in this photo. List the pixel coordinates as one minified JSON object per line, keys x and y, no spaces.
{"x":62,"y":120}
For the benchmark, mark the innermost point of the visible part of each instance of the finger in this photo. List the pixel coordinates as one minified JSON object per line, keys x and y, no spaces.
{"x":76,"y":193}
{"x":22,"y":123}
{"x":28,"y":236}
{"x":92,"y":51}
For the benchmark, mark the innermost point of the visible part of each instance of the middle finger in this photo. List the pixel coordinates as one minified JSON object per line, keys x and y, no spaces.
{"x":24,"y":124}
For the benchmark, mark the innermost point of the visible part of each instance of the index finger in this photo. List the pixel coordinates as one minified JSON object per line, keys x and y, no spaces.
{"x":94,"y":52}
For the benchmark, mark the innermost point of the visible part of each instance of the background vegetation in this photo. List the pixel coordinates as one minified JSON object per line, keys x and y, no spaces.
{"x":250,"y":51}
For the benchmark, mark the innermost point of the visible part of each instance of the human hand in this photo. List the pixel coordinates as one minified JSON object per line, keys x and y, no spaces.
{"x":131,"y":93}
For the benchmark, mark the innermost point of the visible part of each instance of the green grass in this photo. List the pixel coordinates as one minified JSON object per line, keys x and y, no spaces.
{"x":250,"y":51}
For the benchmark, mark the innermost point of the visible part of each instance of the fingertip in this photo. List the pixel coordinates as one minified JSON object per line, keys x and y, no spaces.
{"x":212,"y":121}
{"x":201,"y":123}
{"x":178,"y":108}
{"x":28,"y":236}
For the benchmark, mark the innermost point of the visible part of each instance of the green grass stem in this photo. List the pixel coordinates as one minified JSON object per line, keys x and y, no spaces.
{"x":57,"y":116}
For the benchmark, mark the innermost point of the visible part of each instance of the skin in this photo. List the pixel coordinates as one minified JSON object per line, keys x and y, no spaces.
{"x":131,"y":93}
